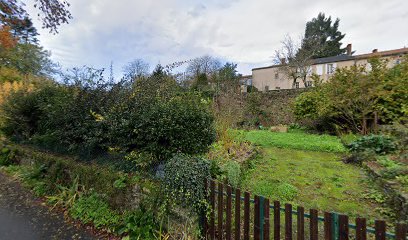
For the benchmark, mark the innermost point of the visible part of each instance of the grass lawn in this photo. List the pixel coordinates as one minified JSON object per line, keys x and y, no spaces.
{"x":313,"y":179}
{"x":295,"y":140}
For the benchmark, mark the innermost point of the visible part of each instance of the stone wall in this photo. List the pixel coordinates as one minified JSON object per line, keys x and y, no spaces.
{"x":270,"y":108}
{"x":278,"y":106}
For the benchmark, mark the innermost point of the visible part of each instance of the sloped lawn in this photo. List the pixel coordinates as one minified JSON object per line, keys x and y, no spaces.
{"x":313,"y":179}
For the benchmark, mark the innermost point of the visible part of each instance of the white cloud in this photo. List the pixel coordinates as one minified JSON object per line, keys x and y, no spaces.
{"x":243,"y":31}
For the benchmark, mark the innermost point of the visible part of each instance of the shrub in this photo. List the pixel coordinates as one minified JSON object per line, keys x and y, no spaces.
{"x":164,"y":127}
{"x":378,"y":144}
{"x":184,"y":180}
{"x":359,"y":157}
{"x":393,"y":172}
{"x":140,"y":224}
{"x":92,"y":209}
{"x":21,"y":114}
{"x":354,"y":94}
{"x":232,"y":172}
{"x":87,"y":117}
{"x":403,"y":179}
{"x":7,"y":156}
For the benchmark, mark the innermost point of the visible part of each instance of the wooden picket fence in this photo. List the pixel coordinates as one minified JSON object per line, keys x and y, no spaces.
{"x":230,"y":219}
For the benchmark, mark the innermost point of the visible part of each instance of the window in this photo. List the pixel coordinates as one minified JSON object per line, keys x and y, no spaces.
{"x":368,"y":67}
{"x":309,"y":72}
{"x":296,"y":84}
{"x":319,"y":70}
{"x":276,"y":76}
{"x":309,"y":83}
{"x":266,"y":88}
{"x":330,"y":68}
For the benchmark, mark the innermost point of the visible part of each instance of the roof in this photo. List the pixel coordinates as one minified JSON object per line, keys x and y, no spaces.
{"x":345,"y":57}
{"x":384,"y":53}
{"x":246,"y":76}
{"x":339,"y":58}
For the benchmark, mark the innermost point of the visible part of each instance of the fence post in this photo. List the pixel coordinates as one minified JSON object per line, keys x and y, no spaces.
{"x":261,"y":216}
{"x":203,"y":216}
{"x":335,"y":225}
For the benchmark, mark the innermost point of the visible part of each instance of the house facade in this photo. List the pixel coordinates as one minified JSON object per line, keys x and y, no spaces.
{"x":274,"y":78}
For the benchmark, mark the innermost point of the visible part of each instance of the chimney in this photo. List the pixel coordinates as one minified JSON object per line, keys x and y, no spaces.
{"x":375,"y":50}
{"x":283,"y":61}
{"x":349,"y":49}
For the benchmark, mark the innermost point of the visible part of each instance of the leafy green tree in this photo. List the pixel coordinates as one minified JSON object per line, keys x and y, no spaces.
{"x":29,"y":59}
{"x":228,"y":79}
{"x":392,"y":101}
{"x":355,"y":94}
{"x":323,"y":32}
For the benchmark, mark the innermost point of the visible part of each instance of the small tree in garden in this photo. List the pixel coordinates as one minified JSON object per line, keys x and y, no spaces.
{"x":296,"y":63}
{"x":353,"y":94}
{"x":392,"y":101}
{"x":352,"y":97}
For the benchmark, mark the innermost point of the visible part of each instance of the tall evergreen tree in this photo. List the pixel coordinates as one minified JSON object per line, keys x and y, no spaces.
{"x":24,"y":30}
{"x":324,"y":33}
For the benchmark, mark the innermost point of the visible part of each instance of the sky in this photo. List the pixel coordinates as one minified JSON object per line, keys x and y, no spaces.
{"x":246,"y":32}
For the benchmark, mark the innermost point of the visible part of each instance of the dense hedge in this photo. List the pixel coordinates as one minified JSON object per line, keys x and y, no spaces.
{"x":153,"y":115}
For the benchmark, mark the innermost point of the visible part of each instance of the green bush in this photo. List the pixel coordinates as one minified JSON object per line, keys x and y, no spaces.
{"x":184,"y":178}
{"x":353,"y":94}
{"x":359,"y":157}
{"x":21,"y":114}
{"x":232,"y":172}
{"x":163,"y":127}
{"x":393,"y":172}
{"x":140,"y":224}
{"x":92,"y":209}
{"x":7,"y":156}
{"x":403,"y":179}
{"x":89,"y":117}
{"x":378,"y":144}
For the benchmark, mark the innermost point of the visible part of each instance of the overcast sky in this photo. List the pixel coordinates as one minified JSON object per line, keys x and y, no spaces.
{"x":246,"y":32}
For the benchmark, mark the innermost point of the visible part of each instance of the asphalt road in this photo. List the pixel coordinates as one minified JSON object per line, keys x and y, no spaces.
{"x":24,"y":217}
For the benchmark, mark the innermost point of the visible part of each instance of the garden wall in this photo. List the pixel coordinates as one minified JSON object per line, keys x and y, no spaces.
{"x":278,"y":106}
{"x":257,"y":108}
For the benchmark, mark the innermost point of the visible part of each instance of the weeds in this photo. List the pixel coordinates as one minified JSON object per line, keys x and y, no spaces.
{"x":66,"y":196}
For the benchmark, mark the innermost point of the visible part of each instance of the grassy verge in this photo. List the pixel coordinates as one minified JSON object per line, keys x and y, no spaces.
{"x":294,"y":140}
{"x":113,"y":202}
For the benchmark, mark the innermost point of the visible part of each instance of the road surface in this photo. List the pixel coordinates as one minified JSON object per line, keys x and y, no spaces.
{"x":24,"y":217}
